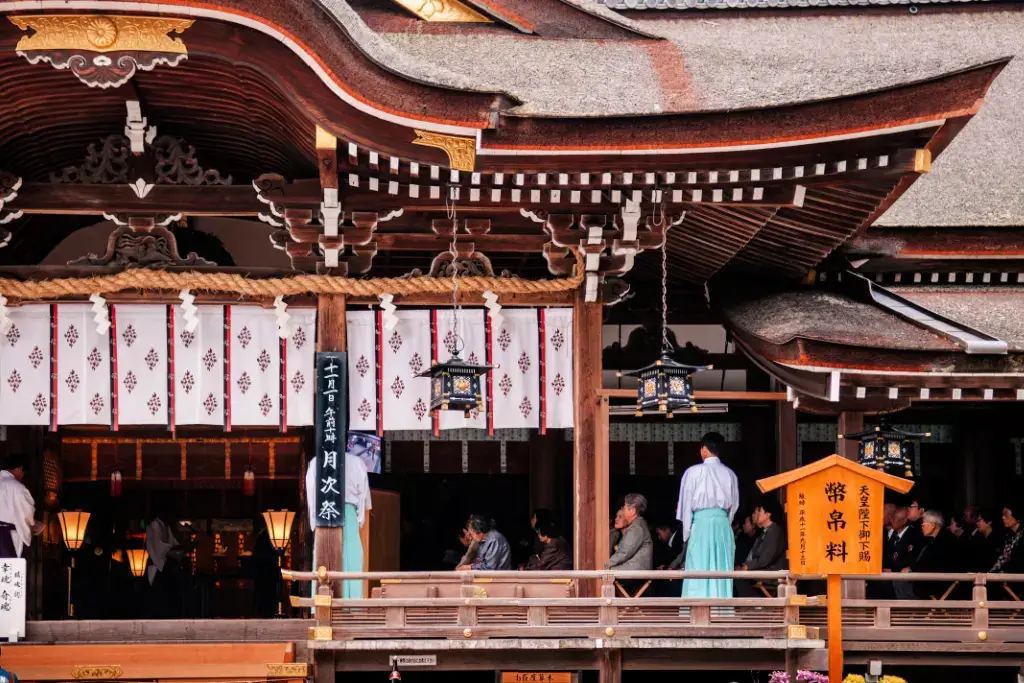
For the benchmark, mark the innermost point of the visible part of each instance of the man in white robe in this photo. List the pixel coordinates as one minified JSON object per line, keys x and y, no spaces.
{"x":708,"y":499}
{"x":357,"y":502}
{"x":17,"y":510}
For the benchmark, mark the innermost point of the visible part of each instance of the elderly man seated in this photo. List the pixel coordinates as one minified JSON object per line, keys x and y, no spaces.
{"x":635,"y":551}
{"x":937,"y":555}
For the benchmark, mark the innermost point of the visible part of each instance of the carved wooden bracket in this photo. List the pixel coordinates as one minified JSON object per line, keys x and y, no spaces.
{"x":142,"y":243}
{"x":608,"y":247}
{"x":466,"y":260}
{"x":103,"y":51}
{"x":296,"y":209}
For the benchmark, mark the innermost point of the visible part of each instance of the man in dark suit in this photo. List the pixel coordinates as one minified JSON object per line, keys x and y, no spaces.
{"x":902,"y":547}
{"x":769,"y":550}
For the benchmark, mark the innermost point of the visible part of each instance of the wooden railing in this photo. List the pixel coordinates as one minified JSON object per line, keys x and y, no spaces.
{"x":462,"y":605}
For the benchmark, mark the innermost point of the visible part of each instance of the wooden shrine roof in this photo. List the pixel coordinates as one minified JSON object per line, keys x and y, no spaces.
{"x":767,"y":190}
{"x":629,"y":5}
{"x":835,"y":346}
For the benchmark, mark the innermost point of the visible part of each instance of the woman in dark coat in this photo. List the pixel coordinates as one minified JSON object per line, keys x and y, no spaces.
{"x":555,"y":555}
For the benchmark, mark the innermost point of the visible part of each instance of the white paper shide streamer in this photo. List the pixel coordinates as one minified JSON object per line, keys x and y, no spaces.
{"x":189,"y":310}
{"x":101,"y":315}
{"x":281,"y":309}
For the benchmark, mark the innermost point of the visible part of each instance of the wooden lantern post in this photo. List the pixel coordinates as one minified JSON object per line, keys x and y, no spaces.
{"x":834,"y":508}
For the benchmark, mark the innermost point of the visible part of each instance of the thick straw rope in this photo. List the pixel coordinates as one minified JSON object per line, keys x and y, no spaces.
{"x":287,"y":286}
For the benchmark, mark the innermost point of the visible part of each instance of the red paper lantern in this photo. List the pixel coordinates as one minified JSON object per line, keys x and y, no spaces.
{"x":115,"y":484}
{"x":249,"y":482}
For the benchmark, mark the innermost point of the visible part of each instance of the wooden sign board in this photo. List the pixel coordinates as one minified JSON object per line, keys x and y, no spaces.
{"x":834,"y":515}
{"x":536,"y":677}
{"x":13,"y":598}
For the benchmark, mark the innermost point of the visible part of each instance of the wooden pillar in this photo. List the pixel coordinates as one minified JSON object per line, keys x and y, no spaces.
{"x":609,"y":665}
{"x":590,"y":517}
{"x":331,"y":335}
{"x":785,"y":437}
{"x":849,"y":423}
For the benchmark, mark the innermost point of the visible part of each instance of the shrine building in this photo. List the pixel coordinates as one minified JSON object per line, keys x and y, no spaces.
{"x":243,"y":243}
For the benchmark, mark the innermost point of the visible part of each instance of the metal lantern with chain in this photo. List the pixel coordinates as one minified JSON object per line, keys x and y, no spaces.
{"x":455,"y":384}
{"x":665,"y":385}
{"x":886,"y":448}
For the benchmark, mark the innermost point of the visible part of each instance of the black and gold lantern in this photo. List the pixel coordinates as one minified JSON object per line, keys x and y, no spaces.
{"x":455,"y":385}
{"x":666,"y":386}
{"x":886,"y":448}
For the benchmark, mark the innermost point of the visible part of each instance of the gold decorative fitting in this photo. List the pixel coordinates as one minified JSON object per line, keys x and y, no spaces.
{"x":797,"y":600}
{"x":923,"y":161}
{"x":94,"y":673}
{"x":294,"y":600}
{"x":86,"y":43}
{"x":322,"y":601}
{"x":461,"y":151}
{"x":981,"y":604}
{"x":321,"y":633}
{"x":98,"y":33}
{"x":321,"y":572}
{"x":797,"y":632}
{"x":467,"y":632}
{"x":287,"y":670}
{"x":609,"y":632}
{"x":443,"y":10}
{"x":982,"y":635}
{"x":325,"y":140}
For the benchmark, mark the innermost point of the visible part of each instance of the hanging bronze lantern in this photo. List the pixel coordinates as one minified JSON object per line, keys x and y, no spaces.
{"x":886,"y":448}
{"x":665,"y":385}
{"x":455,"y":385}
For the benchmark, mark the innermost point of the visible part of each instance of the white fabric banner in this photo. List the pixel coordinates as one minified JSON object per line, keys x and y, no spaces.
{"x":362,"y":370}
{"x":473,"y":331}
{"x":199,"y":368}
{"x":255,"y":366}
{"x":25,"y":367}
{"x":516,"y":382}
{"x":83,"y":368}
{"x":558,"y":401}
{"x":300,"y":367}
{"x":141,"y":368}
{"x":406,"y":353}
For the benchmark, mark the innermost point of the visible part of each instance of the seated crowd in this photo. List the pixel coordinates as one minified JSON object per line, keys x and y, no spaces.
{"x":916,"y":540}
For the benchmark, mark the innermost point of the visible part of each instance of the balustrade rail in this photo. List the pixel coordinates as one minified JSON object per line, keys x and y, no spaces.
{"x":472,"y":605}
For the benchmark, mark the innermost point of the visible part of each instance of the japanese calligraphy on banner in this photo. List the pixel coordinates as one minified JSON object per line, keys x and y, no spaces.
{"x":331,"y":420}
{"x":13,"y":574}
{"x":834,"y":512}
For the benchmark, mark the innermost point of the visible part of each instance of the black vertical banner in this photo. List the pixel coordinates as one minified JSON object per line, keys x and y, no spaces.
{"x":331,"y":437}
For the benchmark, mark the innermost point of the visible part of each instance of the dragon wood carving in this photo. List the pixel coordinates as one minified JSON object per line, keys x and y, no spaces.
{"x":131,"y":248}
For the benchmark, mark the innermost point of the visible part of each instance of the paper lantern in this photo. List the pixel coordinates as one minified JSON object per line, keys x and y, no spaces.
{"x":455,"y":385}
{"x":279,"y":527}
{"x":665,"y":386}
{"x":115,"y":484}
{"x":137,"y":559}
{"x":886,"y":448}
{"x":72,"y":526}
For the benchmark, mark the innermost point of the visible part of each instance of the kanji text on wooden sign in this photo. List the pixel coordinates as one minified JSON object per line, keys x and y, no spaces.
{"x":536,"y":677}
{"x":331,"y":421}
{"x":834,"y":515}
{"x":13,"y":576}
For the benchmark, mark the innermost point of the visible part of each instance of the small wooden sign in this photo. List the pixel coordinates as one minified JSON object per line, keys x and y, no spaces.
{"x":834,"y":515}
{"x":13,"y":597}
{"x":536,"y":677}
